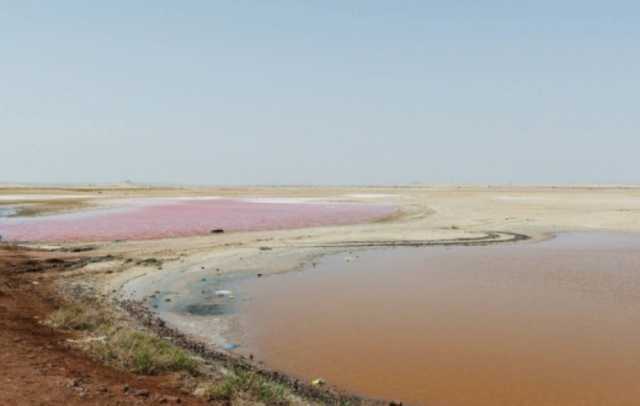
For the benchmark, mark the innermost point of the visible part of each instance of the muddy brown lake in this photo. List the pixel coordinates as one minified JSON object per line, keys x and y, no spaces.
{"x":536,"y":323}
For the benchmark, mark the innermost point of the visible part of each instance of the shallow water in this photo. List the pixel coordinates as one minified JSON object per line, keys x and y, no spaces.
{"x":551,"y":323}
{"x":7,"y":211}
{"x":162,"y":218}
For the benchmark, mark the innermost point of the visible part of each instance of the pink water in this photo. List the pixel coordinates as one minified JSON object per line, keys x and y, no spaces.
{"x":181,"y":218}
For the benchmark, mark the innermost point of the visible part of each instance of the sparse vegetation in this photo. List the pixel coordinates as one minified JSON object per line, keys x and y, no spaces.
{"x":241,"y":383}
{"x":122,"y":346}
{"x":32,"y":208}
{"x":111,"y":339}
{"x":76,"y":317}
{"x":142,"y":353}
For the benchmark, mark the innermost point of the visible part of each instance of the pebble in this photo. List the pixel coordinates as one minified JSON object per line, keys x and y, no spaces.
{"x":143,"y":393}
{"x":170,"y":399}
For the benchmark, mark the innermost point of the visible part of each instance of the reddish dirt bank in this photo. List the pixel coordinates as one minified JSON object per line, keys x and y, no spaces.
{"x":38,"y":366}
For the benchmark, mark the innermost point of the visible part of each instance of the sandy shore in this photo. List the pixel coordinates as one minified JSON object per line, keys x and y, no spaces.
{"x":427,"y":215}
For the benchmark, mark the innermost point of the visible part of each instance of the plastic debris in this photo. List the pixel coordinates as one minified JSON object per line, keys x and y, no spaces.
{"x":223,"y":293}
{"x":230,"y":346}
{"x":318,"y":382}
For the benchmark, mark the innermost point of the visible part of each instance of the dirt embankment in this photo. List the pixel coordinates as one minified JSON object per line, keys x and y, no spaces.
{"x":39,"y":367}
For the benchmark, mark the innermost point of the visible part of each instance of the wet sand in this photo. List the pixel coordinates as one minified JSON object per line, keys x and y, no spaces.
{"x":550,"y":323}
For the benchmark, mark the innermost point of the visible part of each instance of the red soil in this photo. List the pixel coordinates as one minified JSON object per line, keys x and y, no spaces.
{"x":38,"y":366}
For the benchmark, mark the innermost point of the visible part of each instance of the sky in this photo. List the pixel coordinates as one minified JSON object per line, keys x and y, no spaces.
{"x":320,"y":92}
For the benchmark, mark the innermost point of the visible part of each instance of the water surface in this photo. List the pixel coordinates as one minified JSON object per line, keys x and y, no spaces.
{"x":551,"y":323}
{"x":6,"y":211}
{"x":138,"y":219}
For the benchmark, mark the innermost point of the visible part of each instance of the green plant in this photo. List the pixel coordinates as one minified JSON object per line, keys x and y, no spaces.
{"x":244,"y":382}
{"x":142,"y":353}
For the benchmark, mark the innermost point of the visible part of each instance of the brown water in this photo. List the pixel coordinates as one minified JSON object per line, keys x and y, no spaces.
{"x":551,"y":323}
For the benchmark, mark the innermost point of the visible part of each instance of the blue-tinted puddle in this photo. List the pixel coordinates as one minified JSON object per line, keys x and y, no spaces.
{"x":7,"y":211}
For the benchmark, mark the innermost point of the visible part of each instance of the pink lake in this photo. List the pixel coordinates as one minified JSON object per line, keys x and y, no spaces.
{"x":163,"y":218}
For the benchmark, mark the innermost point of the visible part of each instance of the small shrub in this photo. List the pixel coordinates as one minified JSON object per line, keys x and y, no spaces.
{"x":242,"y":382}
{"x":77,"y":317}
{"x":220,"y":391}
{"x":142,"y":353}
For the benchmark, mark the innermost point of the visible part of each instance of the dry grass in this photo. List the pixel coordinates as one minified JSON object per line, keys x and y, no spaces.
{"x":114,"y":343}
{"x":141,"y":353}
{"x":39,"y":208}
{"x":77,"y":317}
{"x":243,"y":384}
{"x":121,"y":346}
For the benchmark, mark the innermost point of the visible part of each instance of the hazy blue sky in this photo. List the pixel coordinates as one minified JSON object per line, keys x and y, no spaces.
{"x":320,"y":92}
